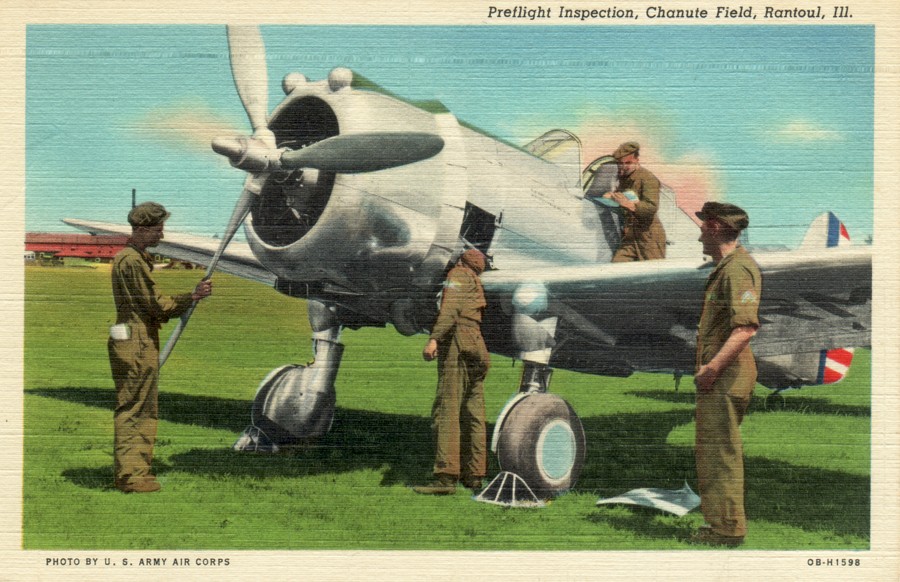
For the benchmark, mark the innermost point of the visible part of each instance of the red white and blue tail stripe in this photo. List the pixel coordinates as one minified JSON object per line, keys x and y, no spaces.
{"x":834,"y":365}
{"x":826,"y":231}
{"x":837,"y":232}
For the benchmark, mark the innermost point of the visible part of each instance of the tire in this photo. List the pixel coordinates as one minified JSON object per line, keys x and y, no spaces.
{"x":542,"y":441}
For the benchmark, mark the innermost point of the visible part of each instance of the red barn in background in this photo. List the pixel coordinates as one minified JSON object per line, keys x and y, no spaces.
{"x":101,"y":248}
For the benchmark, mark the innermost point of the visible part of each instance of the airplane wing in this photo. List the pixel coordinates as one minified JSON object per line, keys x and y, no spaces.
{"x":237,"y":259}
{"x":618,"y":318}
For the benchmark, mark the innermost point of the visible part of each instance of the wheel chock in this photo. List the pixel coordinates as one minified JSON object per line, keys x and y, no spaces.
{"x":509,"y":490}
{"x":255,"y":440}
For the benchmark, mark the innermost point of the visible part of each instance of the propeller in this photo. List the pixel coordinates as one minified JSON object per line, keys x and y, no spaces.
{"x":248,"y":67}
{"x":345,"y":154}
{"x":259,"y":155}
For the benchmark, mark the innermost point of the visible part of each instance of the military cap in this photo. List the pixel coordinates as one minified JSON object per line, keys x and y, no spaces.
{"x":148,"y":214}
{"x":729,"y":214}
{"x":629,"y":147}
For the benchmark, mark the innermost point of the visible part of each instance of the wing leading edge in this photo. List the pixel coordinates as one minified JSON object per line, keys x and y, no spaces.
{"x":237,"y":260}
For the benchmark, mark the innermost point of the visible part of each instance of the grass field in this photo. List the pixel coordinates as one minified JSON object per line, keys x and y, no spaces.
{"x":808,"y":468}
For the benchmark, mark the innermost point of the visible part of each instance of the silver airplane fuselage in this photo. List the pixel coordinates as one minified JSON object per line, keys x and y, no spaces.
{"x":379,"y":243}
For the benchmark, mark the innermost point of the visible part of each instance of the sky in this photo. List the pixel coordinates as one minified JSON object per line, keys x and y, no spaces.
{"x":776,"y":119}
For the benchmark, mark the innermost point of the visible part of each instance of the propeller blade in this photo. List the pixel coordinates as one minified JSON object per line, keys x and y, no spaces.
{"x":364,"y":152}
{"x":176,"y":333}
{"x":241,"y":209}
{"x":248,"y":67}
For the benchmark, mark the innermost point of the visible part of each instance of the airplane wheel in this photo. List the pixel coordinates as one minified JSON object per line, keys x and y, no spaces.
{"x":542,"y":441}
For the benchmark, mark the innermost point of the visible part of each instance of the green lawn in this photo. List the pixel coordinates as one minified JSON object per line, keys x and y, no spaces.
{"x":808,"y":469}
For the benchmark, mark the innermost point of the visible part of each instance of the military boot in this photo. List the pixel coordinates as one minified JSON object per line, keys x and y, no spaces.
{"x":706,"y":535}
{"x":472,"y":483}
{"x":443,"y":485}
{"x":143,"y":485}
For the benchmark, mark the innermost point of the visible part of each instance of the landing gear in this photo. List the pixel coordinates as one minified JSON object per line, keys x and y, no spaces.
{"x":542,"y":441}
{"x":296,"y":403}
{"x":538,"y":437}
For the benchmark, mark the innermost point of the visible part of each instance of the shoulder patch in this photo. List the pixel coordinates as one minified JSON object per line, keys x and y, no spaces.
{"x":748,"y":297}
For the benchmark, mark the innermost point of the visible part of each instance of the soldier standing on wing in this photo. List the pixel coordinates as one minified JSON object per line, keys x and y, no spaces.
{"x":643,"y":236}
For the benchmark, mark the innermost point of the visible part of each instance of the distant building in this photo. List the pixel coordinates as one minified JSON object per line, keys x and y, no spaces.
{"x":59,"y":246}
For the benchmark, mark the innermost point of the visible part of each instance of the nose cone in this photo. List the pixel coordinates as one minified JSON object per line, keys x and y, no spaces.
{"x":248,"y":154}
{"x":230,"y":147}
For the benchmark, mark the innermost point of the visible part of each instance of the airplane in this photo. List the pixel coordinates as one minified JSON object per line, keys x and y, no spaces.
{"x":358,"y":202}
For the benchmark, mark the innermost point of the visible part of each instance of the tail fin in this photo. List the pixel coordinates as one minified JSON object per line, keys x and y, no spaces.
{"x":826,"y":231}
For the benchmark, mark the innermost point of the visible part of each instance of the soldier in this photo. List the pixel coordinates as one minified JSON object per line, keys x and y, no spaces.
{"x":643,"y":236}
{"x":463,"y":361}
{"x":726,"y":373}
{"x":134,"y":347}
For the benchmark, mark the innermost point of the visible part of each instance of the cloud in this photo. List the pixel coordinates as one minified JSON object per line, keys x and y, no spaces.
{"x":693,"y":175}
{"x":804,"y":131}
{"x":190,"y":124}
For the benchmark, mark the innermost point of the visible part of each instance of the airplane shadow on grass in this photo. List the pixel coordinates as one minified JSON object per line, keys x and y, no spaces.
{"x":629,"y":451}
{"x":624,"y":451}
{"x":758,"y":404}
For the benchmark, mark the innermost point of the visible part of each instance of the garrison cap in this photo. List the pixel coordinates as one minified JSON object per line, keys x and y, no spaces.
{"x":729,"y":214}
{"x":148,"y":214}
{"x":627,"y":148}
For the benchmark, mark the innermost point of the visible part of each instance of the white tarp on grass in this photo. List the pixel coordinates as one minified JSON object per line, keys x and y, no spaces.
{"x":679,"y":502}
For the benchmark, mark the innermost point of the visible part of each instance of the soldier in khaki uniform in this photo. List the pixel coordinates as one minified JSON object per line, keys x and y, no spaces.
{"x":134,"y":347}
{"x":643,"y":236}
{"x":726,"y":372}
{"x":463,"y":361}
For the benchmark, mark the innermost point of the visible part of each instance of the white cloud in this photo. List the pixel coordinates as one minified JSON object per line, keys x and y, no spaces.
{"x":190,"y":124}
{"x":805,"y":131}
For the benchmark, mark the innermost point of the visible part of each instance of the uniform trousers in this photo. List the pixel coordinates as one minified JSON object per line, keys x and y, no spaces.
{"x":458,"y":413}
{"x":720,"y":458}
{"x":135,"y":370}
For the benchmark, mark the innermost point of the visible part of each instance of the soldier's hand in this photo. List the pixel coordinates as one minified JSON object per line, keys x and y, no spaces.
{"x":203,"y":289}
{"x":705,"y":377}
{"x":430,"y":351}
{"x":627,"y":204}
{"x":620,"y":199}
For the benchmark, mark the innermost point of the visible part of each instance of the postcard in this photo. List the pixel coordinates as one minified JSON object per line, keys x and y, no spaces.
{"x":439,"y":290}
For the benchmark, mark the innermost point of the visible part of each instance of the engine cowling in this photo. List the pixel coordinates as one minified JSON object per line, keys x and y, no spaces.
{"x":366,"y":232}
